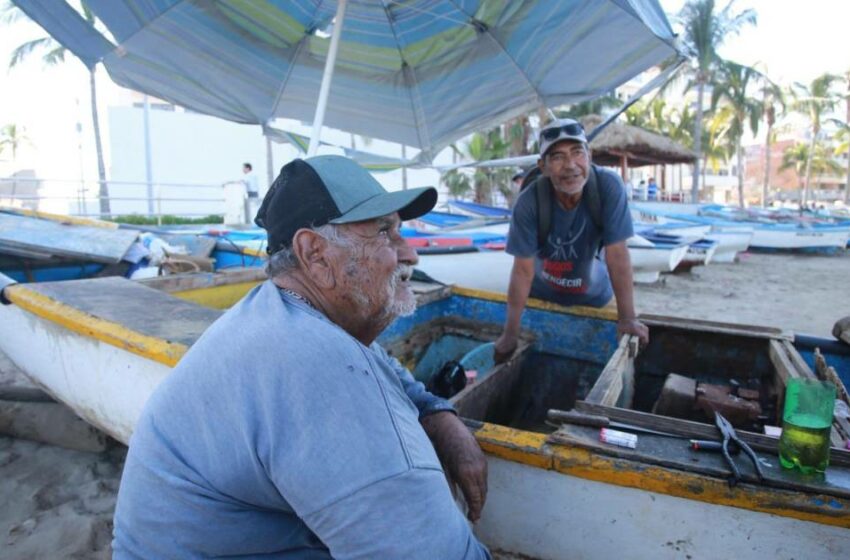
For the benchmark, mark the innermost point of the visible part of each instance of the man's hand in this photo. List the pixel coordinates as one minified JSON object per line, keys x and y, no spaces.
{"x":461,"y":457}
{"x":504,"y":348}
{"x":635,"y":327}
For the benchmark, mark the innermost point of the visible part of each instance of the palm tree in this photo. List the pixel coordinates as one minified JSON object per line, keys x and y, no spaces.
{"x":53,"y":54}
{"x":843,"y":136}
{"x":705,"y":30}
{"x":773,"y":107}
{"x":799,"y":158}
{"x":735,"y":81}
{"x":814,"y":101}
{"x":456,"y":182}
{"x":12,"y":136}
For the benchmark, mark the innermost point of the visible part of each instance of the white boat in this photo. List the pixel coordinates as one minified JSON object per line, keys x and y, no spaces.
{"x":792,"y":238}
{"x":649,"y":259}
{"x":730,"y":243}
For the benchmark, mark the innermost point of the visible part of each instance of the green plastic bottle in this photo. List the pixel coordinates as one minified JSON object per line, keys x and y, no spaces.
{"x":806,"y":424}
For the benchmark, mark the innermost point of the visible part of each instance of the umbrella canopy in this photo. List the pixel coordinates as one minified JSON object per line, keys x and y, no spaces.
{"x":419,"y":72}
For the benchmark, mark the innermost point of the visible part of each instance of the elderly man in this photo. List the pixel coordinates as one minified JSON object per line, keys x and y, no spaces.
{"x":584,"y":210}
{"x":286,"y":431}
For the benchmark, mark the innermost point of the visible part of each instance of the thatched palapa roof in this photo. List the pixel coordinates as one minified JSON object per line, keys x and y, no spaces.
{"x":640,"y":147}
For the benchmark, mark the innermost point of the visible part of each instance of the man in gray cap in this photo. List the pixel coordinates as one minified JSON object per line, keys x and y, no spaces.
{"x":286,"y":431}
{"x":568,"y":236}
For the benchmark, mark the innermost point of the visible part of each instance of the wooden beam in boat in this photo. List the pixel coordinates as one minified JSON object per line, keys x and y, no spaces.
{"x":676,"y":453}
{"x":695,"y":430}
{"x":701,"y":326}
{"x":617,"y":378}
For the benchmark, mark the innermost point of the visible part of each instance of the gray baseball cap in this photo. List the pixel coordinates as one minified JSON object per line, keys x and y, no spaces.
{"x":561,"y":129}
{"x":331,"y":190}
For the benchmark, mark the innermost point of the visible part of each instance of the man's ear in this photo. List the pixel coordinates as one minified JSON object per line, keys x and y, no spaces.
{"x":540,"y":163}
{"x":311,"y":250}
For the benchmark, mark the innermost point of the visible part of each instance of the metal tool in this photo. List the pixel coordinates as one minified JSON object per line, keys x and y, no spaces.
{"x":595,"y":421}
{"x":730,"y":436}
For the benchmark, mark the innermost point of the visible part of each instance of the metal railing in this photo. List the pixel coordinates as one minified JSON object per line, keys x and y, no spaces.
{"x":82,"y":198}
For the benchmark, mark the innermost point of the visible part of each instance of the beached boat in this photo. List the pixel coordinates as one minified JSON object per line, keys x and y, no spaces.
{"x":102,"y":345}
{"x":40,"y":247}
{"x":650,"y":259}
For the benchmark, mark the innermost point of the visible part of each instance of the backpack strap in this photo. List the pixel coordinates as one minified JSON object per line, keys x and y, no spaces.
{"x":545,"y":204}
{"x":543,"y":193}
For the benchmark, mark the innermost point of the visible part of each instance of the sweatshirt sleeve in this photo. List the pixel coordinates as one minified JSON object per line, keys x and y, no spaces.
{"x":424,"y":401}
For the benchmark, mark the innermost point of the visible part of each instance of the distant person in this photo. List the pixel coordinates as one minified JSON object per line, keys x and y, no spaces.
{"x":630,"y":189}
{"x":640,"y":194}
{"x":652,"y":189}
{"x":252,"y":190}
{"x":582,"y":259}
{"x":286,"y":431}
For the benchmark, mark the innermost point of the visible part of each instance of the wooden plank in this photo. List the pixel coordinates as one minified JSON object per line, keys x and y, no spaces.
{"x":695,"y":430}
{"x":785,"y":370}
{"x":798,"y":360}
{"x":134,"y":306}
{"x":676,"y":454}
{"x":609,"y":386}
{"x":485,"y":398}
{"x":25,"y":234}
{"x":699,"y":326}
{"x":195,"y":281}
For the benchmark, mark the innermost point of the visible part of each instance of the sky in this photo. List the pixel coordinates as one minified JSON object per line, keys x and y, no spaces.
{"x":793,"y":41}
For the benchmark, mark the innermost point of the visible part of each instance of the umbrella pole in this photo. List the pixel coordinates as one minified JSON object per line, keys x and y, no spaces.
{"x":319,"y":117}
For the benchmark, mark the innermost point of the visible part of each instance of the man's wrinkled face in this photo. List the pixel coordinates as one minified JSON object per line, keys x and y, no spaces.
{"x":375,"y":269}
{"x":567,"y":165}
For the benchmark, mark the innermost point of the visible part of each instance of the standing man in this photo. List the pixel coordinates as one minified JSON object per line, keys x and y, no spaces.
{"x":584,"y":259}
{"x":286,"y":431}
{"x":252,"y":190}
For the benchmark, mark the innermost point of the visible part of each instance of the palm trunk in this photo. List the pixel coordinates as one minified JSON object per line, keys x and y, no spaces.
{"x":847,"y":184}
{"x":739,"y":153}
{"x":270,"y":174}
{"x":103,"y":189}
{"x":766,"y":184}
{"x":805,"y":195}
{"x":698,"y":139}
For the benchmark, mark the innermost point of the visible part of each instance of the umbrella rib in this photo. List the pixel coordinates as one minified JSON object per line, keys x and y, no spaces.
{"x":505,"y":52}
{"x":286,"y":78}
{"x":289,"y":71}
{"x":415,"y":103}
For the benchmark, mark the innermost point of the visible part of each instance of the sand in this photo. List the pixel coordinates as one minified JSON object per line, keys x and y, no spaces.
{"x":59,"y":503}
{"x":806,"y":294}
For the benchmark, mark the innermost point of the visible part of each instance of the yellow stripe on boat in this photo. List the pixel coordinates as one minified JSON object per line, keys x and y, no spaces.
{"x":216,"y":297}
{"x":61,"y":218}
{"x":157,"y":349}
{"x":531,"y":449}
{"x":606,"y":313}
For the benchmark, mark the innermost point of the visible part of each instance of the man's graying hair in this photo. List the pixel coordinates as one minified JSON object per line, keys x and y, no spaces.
{"x":284,"y":261}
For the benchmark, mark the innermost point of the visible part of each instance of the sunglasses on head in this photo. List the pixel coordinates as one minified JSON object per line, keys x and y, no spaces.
{"x":572,"y":129}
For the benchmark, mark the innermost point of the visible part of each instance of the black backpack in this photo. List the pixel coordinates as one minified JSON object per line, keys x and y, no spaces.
{"x":545,"y":202}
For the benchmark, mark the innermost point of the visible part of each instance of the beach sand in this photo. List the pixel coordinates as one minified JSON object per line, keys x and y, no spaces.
{"x":59,"y":503}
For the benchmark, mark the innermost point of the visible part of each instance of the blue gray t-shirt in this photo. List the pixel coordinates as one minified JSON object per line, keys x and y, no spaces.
{"x":279,"y":435}
{"x":569,"y":269}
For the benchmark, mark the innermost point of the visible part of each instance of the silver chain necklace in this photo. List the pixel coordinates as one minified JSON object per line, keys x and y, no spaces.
{"x":297,"y":296}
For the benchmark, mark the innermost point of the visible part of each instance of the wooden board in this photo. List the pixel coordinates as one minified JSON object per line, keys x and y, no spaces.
{"x":676,"y":453}
{"x":134,"y":306}
{"x":695,"y":430}
{"x":37,"y":238}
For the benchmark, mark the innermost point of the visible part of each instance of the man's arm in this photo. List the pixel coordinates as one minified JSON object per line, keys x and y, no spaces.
{"x":620,"y":271}
{"x":522,"y":275}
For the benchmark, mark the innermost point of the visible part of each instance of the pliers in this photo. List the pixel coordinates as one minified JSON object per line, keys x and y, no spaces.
{"x":729,"y":434}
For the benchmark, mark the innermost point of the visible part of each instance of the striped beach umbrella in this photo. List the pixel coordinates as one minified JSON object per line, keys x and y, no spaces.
{"x":418,"y":72}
